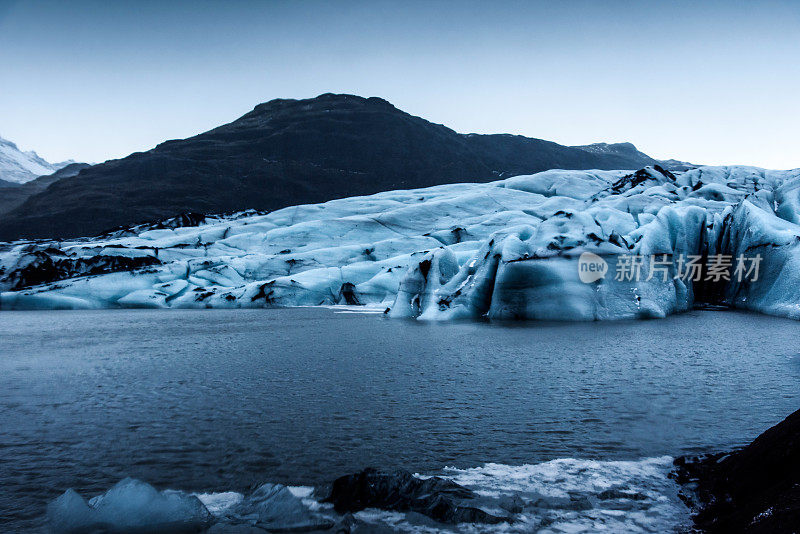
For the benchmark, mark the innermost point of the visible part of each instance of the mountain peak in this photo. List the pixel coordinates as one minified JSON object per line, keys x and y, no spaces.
{"x":6,"y":142}
{"x":616,"y":148}
{"x":321,"y":102}
{"x":19,"y":167}
{"x":293,"y":151}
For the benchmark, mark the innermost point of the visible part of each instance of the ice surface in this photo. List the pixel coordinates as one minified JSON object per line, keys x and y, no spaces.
{"x":219,"y":503}
{"x":505,"y":250}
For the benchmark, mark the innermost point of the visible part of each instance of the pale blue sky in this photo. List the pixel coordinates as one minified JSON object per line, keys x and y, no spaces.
{"x":709,"y":82}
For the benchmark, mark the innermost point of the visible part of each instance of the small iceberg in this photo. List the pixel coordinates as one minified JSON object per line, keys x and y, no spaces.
{"x":131,"y":506}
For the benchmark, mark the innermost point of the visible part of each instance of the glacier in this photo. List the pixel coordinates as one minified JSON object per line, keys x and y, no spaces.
{"x":509,"y":249}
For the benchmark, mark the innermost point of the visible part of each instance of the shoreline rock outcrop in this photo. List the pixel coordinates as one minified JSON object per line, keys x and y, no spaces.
{"x":753,"y":490}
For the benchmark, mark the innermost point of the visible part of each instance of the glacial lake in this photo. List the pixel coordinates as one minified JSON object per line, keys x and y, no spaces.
{"x":223,"y":400}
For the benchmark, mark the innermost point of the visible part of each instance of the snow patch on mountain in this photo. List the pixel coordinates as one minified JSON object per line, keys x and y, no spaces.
{"x":19,"y":167}
{"x":504,"y":250}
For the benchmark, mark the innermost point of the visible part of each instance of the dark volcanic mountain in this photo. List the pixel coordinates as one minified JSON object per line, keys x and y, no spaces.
{"x":14,"y":194}
{"x":288,"y":152}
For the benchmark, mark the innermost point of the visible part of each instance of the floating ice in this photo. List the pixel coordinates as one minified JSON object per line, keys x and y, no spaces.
{"x":130,"y":506}
{"x":275,"y":507}
{"x":507,"y":249}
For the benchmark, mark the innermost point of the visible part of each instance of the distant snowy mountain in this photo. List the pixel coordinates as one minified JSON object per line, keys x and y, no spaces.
{"x":629,"y":152}
{"x":619,"y":149}
{"x":19,"y":167}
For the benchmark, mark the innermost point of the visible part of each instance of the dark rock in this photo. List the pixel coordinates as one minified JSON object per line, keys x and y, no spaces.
{"x":753,"y":490}
{"x":287,"y":152}
{"x":512,"y":503}
{"x":438,"y":498}
{"x":620,"y":494}
{"x":574,"y":502}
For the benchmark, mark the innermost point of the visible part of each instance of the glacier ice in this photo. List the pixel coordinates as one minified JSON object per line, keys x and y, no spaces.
{"x":503,"y":250}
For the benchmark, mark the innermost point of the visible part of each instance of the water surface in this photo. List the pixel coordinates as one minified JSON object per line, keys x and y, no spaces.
{"x":225,"y":399}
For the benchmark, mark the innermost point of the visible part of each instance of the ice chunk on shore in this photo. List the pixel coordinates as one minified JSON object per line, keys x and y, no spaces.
{"x":275,"y":508}
{"x":131,"y":506}
{"x":219,"y":503}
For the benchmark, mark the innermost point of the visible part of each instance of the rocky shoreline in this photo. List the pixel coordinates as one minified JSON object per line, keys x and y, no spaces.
{"x":752,"y":490}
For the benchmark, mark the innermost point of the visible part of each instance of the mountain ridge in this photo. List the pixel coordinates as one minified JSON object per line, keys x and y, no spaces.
{"x":15,"y":194}
{"x":288,"y":152}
